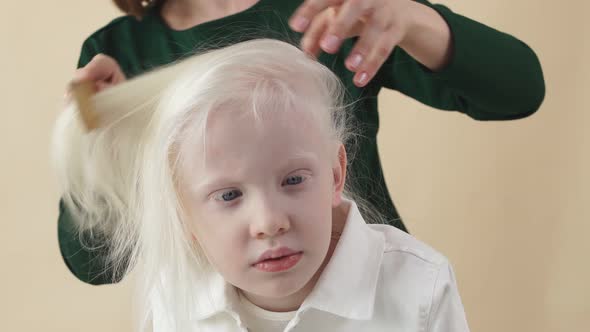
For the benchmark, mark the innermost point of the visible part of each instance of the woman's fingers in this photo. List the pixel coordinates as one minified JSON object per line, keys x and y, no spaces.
{"x":348,"y":18}
{"x":308,"y":10}
{"x":315,"y":31}
{"x":103,"y":70}
{"x":338,"y":20}
{"x":371,"y":51}
{"x":380,"y":25}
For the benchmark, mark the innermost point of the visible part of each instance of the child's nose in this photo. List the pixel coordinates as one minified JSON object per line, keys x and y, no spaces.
{"x":269,"y":222}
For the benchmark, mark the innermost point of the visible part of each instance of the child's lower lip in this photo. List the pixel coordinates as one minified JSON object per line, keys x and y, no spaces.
{"x":277,"y":265}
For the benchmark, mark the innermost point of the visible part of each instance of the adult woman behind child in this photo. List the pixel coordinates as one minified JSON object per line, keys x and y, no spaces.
{"x":425,"y":51}
{"x":234,"y":208}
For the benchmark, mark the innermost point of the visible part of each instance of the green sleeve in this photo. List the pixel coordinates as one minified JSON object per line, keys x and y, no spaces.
{"x":84,"y":257}
{"x":491,"y":75}
{"x":90,"y":48}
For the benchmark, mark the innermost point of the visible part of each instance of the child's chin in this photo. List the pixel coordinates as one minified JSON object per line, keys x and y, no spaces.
{"x":279,"y":286}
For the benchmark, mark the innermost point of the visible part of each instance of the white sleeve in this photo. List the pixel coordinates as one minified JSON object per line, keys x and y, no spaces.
{"x":446,"y":312}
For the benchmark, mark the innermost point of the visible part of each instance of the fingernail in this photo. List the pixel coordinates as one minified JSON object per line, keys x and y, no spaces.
{"x":363,"y":79}
{"x":330,"y":43}
{"x":300,"y":23}
{"x":355,"y":60}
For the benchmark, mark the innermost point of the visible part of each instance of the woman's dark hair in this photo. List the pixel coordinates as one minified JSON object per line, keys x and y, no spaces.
{"x":137,"y":8}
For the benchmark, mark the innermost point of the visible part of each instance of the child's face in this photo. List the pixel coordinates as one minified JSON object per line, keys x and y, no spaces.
{"x":266,"y":184}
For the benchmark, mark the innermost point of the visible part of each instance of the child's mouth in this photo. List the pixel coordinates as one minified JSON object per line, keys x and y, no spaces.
{"x":279,"y":264}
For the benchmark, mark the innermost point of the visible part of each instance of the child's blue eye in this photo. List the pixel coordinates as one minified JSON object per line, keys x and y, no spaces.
{"x":293,"y":180}
{"x":229,"y":195}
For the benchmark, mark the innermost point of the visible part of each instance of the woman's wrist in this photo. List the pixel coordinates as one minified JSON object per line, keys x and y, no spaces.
{"x":428,"y":38}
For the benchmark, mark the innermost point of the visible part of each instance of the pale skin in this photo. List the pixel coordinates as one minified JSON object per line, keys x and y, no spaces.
{"x":380,"y":24}
{"x":267,"y":183}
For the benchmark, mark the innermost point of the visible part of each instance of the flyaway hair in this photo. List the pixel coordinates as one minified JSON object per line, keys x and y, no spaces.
{"x":119,"y":180}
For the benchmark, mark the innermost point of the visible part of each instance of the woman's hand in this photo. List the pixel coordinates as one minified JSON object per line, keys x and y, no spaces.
{"x":102,"y":70}
{"x":380,"y":25}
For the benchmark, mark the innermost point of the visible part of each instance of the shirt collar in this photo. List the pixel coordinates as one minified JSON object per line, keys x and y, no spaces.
{"x":340,"y":290}
{"x":213,"y":296}
{"x":348,"y":284}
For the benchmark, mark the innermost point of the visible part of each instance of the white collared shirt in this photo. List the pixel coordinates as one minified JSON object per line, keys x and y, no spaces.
{"x":261,"y":320}
{"x":378,"y":279}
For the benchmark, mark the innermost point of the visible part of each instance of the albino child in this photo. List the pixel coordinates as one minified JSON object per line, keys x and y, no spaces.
{"x":222,"y":181}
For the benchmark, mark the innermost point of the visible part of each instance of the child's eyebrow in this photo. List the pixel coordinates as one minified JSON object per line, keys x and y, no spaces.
{"x":300,"y":157}
{"x":211,"y":184}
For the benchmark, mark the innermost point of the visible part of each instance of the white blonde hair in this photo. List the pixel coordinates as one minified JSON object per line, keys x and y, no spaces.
{"x":120,"y":181}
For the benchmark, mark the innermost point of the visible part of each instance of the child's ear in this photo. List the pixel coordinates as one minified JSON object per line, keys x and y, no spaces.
{"x":339,"y":171}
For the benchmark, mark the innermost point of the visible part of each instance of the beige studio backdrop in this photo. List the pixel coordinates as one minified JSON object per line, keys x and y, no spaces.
{"x":507,"y":202}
